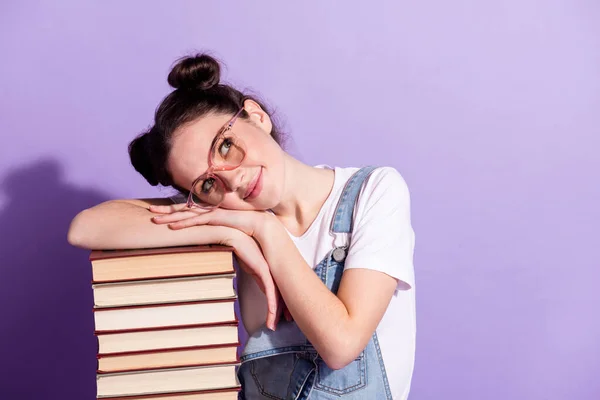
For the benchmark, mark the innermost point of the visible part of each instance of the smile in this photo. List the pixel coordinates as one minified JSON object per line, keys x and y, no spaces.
{"x":255,"y":187}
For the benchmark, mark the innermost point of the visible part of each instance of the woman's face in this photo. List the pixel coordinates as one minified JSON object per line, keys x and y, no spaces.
{"x":262,"y":167}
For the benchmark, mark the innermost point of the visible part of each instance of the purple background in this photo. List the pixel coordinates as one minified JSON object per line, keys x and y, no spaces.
{"x":490,"y":110}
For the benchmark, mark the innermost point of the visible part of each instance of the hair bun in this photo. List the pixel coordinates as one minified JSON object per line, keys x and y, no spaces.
{"x":195,"y":72}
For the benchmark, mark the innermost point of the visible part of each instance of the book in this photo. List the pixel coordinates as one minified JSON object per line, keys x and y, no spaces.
{"x":216,"y":394}
{"x":164,"y":315}
{"x":167,"y":338}
{"x":167,"y":381}
{"x":174,"y":290}
{"x":166,"y":324}
{"x":154,"y":263}
{"x":162,"y":359}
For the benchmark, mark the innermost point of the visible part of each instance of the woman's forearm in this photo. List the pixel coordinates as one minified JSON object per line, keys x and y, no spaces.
{"x":126,"y":224}
{"x":319,"y":313}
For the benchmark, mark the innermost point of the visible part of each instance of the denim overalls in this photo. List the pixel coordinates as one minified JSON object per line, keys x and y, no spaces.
{"x":283,"y":364}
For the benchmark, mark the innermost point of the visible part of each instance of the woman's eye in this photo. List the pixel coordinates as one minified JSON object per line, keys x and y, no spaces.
{"x":225,"y":146}
{"x":207,"y":185}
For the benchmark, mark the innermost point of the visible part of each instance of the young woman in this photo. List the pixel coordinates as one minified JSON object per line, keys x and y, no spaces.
{"x":330,"y":248}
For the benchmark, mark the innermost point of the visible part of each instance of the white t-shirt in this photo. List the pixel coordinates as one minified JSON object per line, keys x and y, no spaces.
{"x":382,"y":240}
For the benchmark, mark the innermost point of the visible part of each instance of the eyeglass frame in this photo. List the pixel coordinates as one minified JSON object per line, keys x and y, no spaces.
{"x":211,"y":167}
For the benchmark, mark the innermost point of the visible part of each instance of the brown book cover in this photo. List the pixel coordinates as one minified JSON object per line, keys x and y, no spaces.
{"x":156,"y":291}
{"x":118,"y":253}
{"x":160,"y":263}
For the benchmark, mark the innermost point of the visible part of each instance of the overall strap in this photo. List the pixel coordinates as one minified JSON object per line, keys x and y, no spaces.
{"x":342,"y":219}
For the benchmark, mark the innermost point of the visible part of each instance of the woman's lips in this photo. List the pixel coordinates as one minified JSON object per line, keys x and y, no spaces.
{"x":255,"y":186}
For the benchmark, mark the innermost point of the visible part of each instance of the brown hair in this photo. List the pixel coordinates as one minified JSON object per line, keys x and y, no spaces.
{"x":198,"y":92}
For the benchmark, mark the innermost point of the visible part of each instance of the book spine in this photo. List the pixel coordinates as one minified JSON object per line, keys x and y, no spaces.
{"x":170,"y":369}
{"x":171,"y":328}
{"x":149,"y":369}
{"x":187,"y":303}
{"x":169,"y":350}
{"x":122,"y":253}
{"x":97,"y":332}
{"x":159,"y":396}
{"x":154,"y":278}
{"x":161,"y":303}
{"x":169,"y":279}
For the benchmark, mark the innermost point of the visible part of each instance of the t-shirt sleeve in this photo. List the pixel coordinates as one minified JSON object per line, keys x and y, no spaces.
{"x":383,"y":238}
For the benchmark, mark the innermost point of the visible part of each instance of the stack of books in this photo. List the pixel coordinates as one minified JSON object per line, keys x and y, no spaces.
{"x":166,"y":324}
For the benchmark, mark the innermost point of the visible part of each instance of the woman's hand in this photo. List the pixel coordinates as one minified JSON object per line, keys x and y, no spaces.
{"x":179,"y":216}
{"x":245,"y":247}
{"x":238,"y":234}
{"x":251,"y":260}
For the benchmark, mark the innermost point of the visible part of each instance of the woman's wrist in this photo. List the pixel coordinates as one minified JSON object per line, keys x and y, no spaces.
{"x":267,"y":229}
{"x":276,"y":244}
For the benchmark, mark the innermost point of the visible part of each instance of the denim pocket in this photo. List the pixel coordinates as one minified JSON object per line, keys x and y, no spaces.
{"x":271,"y":375}
{"x":341,"y":381}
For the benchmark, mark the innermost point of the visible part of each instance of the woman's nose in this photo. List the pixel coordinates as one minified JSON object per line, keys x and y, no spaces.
{"x":233,"y":179}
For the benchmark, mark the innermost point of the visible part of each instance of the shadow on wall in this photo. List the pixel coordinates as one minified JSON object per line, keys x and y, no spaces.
{"x":47,"y":346}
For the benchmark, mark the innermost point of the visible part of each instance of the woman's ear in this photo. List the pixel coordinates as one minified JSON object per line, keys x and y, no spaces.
{"x":258,"y":116}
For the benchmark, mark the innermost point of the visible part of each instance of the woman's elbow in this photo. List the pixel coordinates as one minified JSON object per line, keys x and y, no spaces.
{"x":76,"y":233}
{"x":339,"y":361}
{"x":343,"y":354}
{"x":90,"y":224}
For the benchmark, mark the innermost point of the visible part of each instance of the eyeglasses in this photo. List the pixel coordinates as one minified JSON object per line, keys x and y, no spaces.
{"x":227,"y":152}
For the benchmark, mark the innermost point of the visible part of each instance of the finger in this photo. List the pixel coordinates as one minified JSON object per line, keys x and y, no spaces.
{"x":167,"y":209}
{"x":274,"y":303}
{"x":272,"y":294}
{"x":254,"y":260}
{"x":174,"y":217}
{"x":260,"y":284}
{"x":191,"y":221}
{"x":215,"y":217}
{"x":251,"y":272}
{"x":241,"y":220}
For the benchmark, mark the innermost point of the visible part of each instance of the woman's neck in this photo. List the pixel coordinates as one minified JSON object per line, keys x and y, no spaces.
{"x":306,"y":189}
